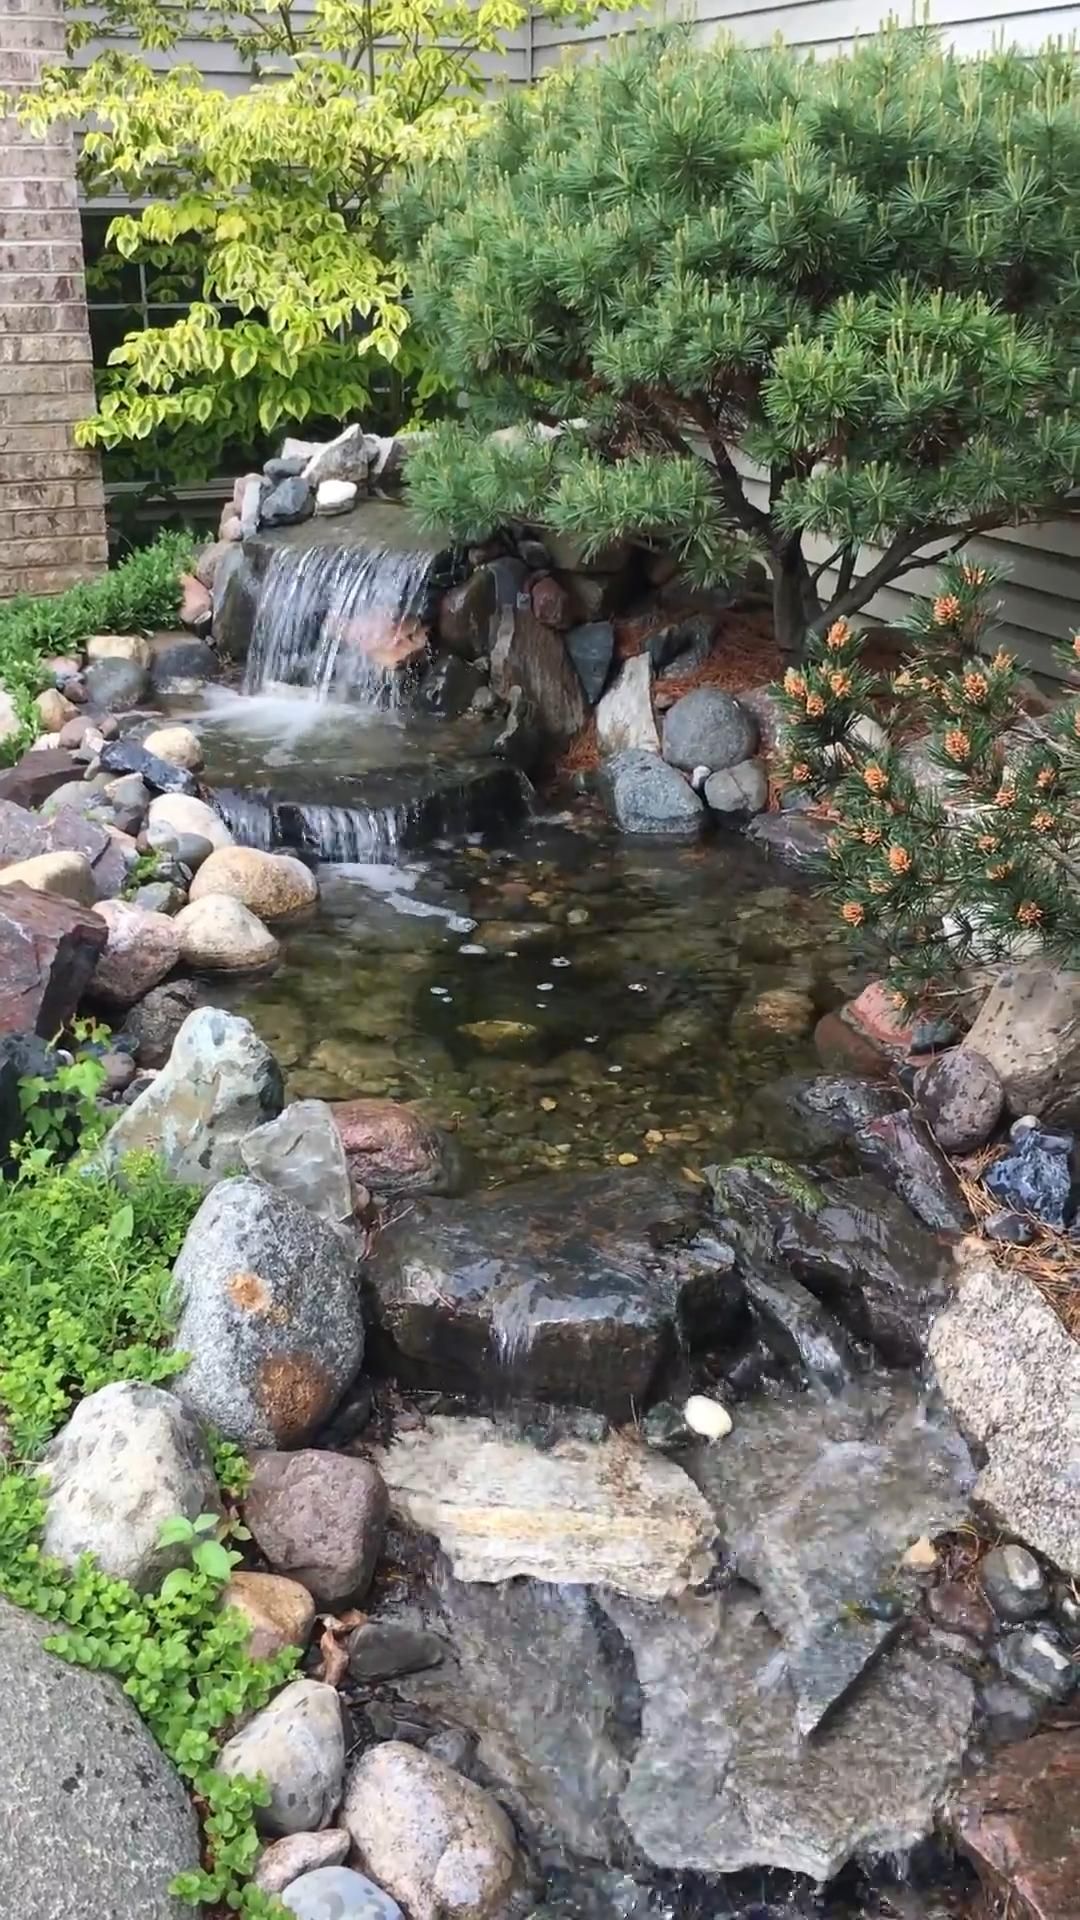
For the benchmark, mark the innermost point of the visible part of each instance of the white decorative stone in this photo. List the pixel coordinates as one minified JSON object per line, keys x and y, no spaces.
{"x":335,"y":496}
{"x":707,"y":1417}
{"x":624,"y":714}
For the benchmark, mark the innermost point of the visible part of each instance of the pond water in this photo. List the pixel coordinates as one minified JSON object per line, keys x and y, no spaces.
{"x":561,"y":998}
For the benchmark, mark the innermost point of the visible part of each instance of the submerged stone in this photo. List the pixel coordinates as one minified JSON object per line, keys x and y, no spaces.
{"x":564,"y":1288}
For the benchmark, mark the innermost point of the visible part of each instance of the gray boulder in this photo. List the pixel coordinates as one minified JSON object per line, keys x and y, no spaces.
{"x":1011,"y":1374}
{"x":180,"y":663}
{"x":439,"y":1845}
{"x":115,"y":685}
{"x":154,"y":1024}
{"x":301,"y":1154}
{"x":961,"y":1098}
{"x":287,"y":503}
{"x":1028,"y":1030}
{"x":96,"y":1822}
{"x":645,"y":795}
{"x":592,"y":648}
{"x":130,"y":1457}
{"x":270,"y":1314}
{"x":740,"y":789}
{"x":708,"y":728}
{"x":337,"y":1893}
{"x":219,"y":1083}
{"x":297,"y":1745}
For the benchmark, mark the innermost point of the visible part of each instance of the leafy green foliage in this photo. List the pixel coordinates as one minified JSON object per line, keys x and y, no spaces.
{"x":264,"y":207}
{"x":141,"y":593}
{"x":975,"y":854}
{"x":62,"y":1113}
{"x":857,"y":276}
{"x":86,"y":1298}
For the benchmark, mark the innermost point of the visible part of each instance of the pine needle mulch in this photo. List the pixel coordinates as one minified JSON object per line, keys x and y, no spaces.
{"x":1052,"y":1261}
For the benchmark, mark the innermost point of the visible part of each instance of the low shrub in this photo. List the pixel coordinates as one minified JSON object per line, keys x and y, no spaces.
{"x":141,"y":593}
{"x":964,"y":848}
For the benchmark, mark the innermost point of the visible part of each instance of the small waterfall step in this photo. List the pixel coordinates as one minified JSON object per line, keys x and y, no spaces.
{"x":371,"y":818}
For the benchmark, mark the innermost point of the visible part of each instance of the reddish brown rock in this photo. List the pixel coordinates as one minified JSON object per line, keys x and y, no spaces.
{"x":551,"y":603}
{"x":843,"y":1049}
{"x":390,"y":1148}
{"x":142,"y":948}
{"x":319,"y":1518}
{"x":196,"y":608}
{"x":280,"y":1613}
{"x":1019,"y":1824}
{"x":528,"y":655}
{"x":956,"y":1609}
{"x":48,"y":951}
{"x":37,"y":774}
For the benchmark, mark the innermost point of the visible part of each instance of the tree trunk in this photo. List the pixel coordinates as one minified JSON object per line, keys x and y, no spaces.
{"x":795,"y":601}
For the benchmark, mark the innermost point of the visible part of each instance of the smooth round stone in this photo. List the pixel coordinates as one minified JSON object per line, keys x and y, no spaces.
{"x":1036,"y":1658}
{"x":961,"y":1097}
{"x":174,"y":814}
{"x":337,"y":1893}
{"x":178,"y":745}
{"x":1013,"y":1583}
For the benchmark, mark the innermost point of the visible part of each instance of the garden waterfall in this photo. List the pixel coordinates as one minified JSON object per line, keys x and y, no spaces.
{"x":339,"y":621}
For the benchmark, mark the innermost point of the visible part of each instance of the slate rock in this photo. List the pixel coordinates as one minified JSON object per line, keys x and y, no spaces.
{"x":297,"y":1745}
{"x":142,"y":948}
{"x":961,"y":1098}
{"x":319,"y":1518}
{"x":466,"y":613}
{"x":708,"y":728}
{"x":1014,"y":1584}
{"x":95,"y":1819}
{"x":381,"y":1649}
{"x":569,"y":1287}
{"x":285,"y":1860}
{"x":278,"y":468}
{"x":592,"y":648}
{"x":433,"y":1840}
{"x":900,"y":1147}
{"x":127,"y":756}
{"x":1009,"y":1227}
{"x":740,"y":789}
{"x":300,"y":1154}
{"x":681,"y":646}
{"x":128,"y":1459}
{"x":48,"y":951}
{"x":1018,"y":1821}
{"x":288,"y":502}
{"x":269,"y":1313}
{"x":1011,"y":1374}
{"x":337,"y":1893}
{"x":1035,"y":1177}
{"x":115,"y":685}
{"x":645,"y":795}
{"x":153,"y":1025}
{"x":219,"y":1082}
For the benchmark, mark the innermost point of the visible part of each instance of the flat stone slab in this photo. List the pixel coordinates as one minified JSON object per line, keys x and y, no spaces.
{"x":609,"y":1512}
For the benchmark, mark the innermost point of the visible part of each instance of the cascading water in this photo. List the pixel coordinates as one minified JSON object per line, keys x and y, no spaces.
{"x":341,"y":621}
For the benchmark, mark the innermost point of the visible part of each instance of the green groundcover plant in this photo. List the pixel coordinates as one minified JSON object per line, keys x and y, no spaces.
{"x":85,"y":1299}
{"x":969,"y":851}
{"x":851,"y":283}
{"x":141,"y":593}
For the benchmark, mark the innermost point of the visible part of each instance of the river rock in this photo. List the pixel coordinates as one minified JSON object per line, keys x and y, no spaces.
{"x":53,"y":710}
{"x":436,"y":1843}
{"x":609,"y":1512}
{"x":301,"y":1155}
{"x":592,"y":648}
{"x":129,"y":1458}
{"x":320,"y":1518}
{"x":335,"y":496}
{"x":1018,"y":1821}
{"x":48,"y":951}
{"x":300,"y":1854}
{"x":220,"y":1081}
{"x":297,"y":1745}
{"x":625,"y":722}
{"x":1028,"y":1030}
{"x":287,"y":503}
{"x":154,"y":1024}
{"x":1011,"y":1374}
{"x":116,"y":685}
{"x":274,"y":886}
{"x":390,"y":1149}
{"x":382,"y":1649}
{"x":220,"y":935}
{"x":338,"y":1893}
{"x":708,"y":728}
{"x":854,"y":1246}
{"x":181,"y":663}
{"x":817,"y":1501}
{"x":1013,"y":1583}
{"x":743,"y":788}
{"x":568,"y":1287}
{"x":1038,"y":1659}
{"x":173,"y":814}
{"x":142,"y":948}
{"x":269,"y":1314}
{"x":95,"y":1819}
{"x":118,"y":646}
{"x":179,"y":746}
{"x":64,"y":876}
{"x":961,"y":1097}
{"x":279,"y":1613}
{"x":533,"y":657}
{"x":645,"y":795}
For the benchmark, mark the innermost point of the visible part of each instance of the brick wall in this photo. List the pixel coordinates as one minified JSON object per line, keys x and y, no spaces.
{"x":52,"y":508}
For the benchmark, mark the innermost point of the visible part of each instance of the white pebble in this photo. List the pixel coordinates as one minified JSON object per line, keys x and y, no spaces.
{"x":707,"y":1417}
{"x":546,"y":986}
{"x":472,"y":947}
{"x":637,"y":986}
{"x":560,"y":960}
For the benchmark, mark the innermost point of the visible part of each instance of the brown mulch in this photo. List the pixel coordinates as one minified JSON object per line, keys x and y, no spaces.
{"x":1052,"y":1260}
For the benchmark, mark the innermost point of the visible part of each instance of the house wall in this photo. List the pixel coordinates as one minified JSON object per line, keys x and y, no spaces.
{"x":52,"y":508}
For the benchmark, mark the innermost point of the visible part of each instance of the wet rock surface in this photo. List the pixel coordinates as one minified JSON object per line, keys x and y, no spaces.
{"x":1019,"y":1823}
{"x":570,"y":1288}
{"x":392,"y":1150}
